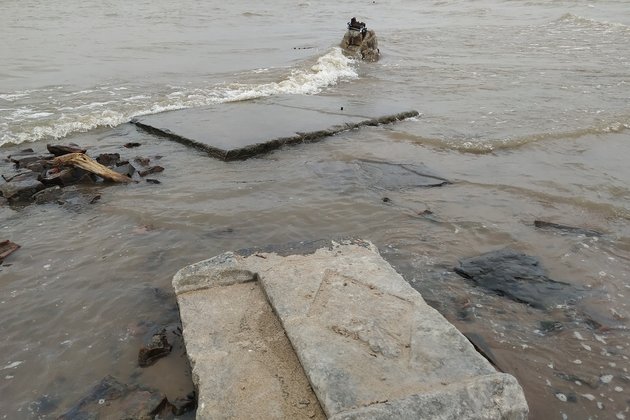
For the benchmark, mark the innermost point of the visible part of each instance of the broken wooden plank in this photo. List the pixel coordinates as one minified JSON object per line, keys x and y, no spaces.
{"x":86,"y":163}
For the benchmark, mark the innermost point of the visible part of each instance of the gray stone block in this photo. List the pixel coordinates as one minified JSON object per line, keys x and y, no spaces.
{"x":369,"y":344}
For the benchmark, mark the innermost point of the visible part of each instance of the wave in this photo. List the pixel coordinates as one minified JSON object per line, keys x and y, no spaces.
{"x":488,"y":146}
{"x":63,"y":113}
{"x":589,"y":23}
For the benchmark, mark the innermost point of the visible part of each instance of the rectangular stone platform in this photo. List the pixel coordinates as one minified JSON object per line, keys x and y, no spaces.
{"x":368,"y":343}
{"x":240,"y":130}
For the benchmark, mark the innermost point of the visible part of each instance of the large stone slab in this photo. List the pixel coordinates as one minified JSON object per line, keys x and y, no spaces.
{"x":240,"y":130}
{"x":369,"y":344}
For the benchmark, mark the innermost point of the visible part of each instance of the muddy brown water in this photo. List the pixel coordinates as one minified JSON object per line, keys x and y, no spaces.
{"x":91,"y":281}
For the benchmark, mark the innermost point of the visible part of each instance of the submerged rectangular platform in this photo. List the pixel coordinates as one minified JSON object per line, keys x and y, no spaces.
{"x":368,"y":343}
{"x":240,"y":130}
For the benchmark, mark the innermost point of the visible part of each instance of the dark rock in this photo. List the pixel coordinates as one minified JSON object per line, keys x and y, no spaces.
{"x":151,"y":170}
{"x":550,"y":326}
{"x":567,"y":229}
{"x":131,"y":145}
{"x":39,"y":166}
{"x":390,"y":175}
{"x":126,"y":169}
{"x":95,"y":199}
{"x":22,"y":175}
{"x":58,"y":176}
{"x":60,"y":149}
{"x":113,"y":399}
{"x":517,"y":276}
{"x":24,"y":158}
{"x":483,"y":348}
{"x":386,"y":200}
{"x":20,"y":190}
{"x":153,"y":181}
{"x":185,"y":404}
{"x":156,"y":349}
{"x":19,"y":172}
{"x":7,"y":248}
{"x":108,"y":159}
{"x":142,"y":161}
{"x":48,"y":195}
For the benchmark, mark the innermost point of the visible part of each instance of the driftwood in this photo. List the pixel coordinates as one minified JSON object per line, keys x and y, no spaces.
{"x":86,"y":163}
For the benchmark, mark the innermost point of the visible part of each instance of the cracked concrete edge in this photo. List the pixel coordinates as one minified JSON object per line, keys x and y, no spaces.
{"x":479,"y":398}
{"x":222,"y":270}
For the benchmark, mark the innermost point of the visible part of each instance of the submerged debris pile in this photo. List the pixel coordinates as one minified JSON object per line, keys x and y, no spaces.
{"x":42,"y":177}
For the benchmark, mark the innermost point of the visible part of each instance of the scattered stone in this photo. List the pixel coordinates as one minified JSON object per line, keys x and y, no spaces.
{"x":18,"y":173}
{"x":60,"y":149}
{"x":517,"y":276}
{"x":185,"y":404}
{"x":24,"y":158}
{"x":156,"y":349}
{"x":151,"y":170}
{"x":108,"y":159}
{"x":153,"y":181}
{"x":142,"y":160}
{"x":7,"y":248}
{"x":547,"y":327}
{"x":561,"y":397}
{"x":48,"y":195}
{"x":20,"y":190}
{"x":567,"y":229}
{"x":132,"y":145}
{"x":127,"y":169}
{"x":606,"y":379}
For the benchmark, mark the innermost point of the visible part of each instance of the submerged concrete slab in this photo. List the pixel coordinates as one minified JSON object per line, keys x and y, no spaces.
{"x":368,"y":343}
{"x":240,"y":130}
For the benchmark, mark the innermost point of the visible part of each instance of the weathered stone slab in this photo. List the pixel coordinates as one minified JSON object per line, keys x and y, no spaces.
{"x":243,"y":364}
{"x":369,"y":344}
{"x":240,"y":130}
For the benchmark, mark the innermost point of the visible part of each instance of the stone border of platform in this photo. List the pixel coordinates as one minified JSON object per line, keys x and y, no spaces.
{"x":369,"y":344}
{"x":272,"y":144}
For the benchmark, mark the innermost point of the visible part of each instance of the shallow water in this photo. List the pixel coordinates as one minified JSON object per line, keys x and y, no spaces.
{"x":524,"y":107}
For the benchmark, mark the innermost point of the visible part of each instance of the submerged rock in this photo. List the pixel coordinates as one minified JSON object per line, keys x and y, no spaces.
{"x":158,"y":347}
{"x":567,"y":229}
{"x":517,"y":276}
{"x":113,"y":399}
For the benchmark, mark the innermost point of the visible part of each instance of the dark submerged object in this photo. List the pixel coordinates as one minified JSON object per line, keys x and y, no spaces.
{"x":517,"y":276}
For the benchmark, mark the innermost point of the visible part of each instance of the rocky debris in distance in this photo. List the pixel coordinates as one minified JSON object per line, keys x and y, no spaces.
{"x":158,"y":347}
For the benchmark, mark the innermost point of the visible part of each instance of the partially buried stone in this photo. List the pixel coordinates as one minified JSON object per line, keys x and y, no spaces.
{"x":20,"y":190}
{"x":517,"y":276}
{"x":108,"y":159}
{"x":151,"y":170}
{"x":48,"y":195}
{"x":156,"y":349}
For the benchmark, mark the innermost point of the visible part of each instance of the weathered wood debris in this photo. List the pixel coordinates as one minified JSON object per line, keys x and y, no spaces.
{"x":40,"y":177}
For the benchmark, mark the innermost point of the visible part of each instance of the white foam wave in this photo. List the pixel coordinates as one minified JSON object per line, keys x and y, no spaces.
{"x":593,"y":23}
{"x":88,"y":112}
